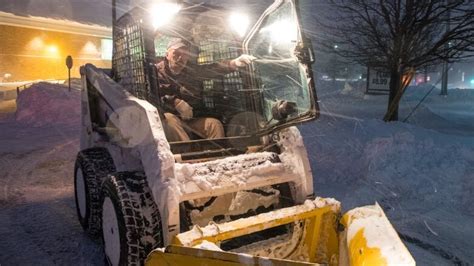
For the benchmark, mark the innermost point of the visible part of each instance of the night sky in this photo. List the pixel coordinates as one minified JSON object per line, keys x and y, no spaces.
{"x":87,"y":11}
{"x":98,"y":11}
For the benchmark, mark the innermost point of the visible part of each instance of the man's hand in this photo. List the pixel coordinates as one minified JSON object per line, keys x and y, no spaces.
{"x":242,"y":61}
{"x":282,"y":109}
{"x":184,"y":109}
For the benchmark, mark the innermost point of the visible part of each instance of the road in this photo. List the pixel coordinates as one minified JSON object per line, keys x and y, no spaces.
{"x":38,"y":224}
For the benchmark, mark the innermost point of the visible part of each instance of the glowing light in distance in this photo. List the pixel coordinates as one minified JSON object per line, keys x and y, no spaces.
{"x":52,"y":50}
{"x":89,"y":49}
{"x":36,"y":44}
{"x":239,"y":22}
{"x":163,"y":13}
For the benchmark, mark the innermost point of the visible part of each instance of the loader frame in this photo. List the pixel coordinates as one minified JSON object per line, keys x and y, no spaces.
{"x":121,"y":112}
{"x":134,"y":70}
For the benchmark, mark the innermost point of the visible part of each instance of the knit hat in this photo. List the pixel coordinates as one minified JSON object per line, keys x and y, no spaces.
{"x":177,"y":43}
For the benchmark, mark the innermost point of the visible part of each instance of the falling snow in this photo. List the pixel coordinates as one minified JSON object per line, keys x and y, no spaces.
{"x":420,"y":171}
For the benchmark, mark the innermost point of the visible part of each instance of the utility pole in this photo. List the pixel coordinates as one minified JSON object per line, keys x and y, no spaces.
{"x":444,"y":79}
{"x":425,"y":75}
{"x":334,"y":64}
{"x":444,"y":82}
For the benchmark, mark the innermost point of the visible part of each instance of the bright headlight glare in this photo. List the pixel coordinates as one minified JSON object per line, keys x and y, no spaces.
{"x":239,"y":22}
{"x":162,"y":13}
{"x":282,"y":31}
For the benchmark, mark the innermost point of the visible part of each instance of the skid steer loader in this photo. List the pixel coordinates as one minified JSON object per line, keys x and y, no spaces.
{"x":245,"y":199}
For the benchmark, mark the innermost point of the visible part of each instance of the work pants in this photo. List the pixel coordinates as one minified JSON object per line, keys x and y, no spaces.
{"x":177,"y":129}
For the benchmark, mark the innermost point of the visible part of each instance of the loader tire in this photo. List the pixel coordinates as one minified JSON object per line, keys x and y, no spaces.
{"x":91,"y":168}
{"x":130,"y":219}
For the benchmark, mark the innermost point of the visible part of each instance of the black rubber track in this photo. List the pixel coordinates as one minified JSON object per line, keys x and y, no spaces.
{"x":96,"y":164}
{"x":138,"y":217}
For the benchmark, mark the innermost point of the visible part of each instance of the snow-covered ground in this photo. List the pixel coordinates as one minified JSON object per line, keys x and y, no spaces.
{"x":38,"y":224}
{"x":421,"y":172}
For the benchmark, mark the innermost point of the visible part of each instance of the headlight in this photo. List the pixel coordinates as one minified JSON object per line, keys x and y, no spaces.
{"x":239,"y":23}
{"x":282,"y":31}
{"x":162,"y":13}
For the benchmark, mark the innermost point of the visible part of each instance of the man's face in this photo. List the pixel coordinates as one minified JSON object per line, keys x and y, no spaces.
{"x":178,"y":58}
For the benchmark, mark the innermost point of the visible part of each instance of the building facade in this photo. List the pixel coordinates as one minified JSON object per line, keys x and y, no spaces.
{"x":34,"y":48}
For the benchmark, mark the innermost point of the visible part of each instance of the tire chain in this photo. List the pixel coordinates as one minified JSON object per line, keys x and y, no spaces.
{"x":96,"y":164}
{"x":143,"y":231}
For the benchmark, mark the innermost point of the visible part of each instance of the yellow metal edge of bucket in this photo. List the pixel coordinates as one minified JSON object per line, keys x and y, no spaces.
{"x":185,"y":256}
{"x":322,"y":246}
{"x":358,"y":250}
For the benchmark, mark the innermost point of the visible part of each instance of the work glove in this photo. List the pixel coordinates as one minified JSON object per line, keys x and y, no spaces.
{"x":184,"y":109}
{"x":243,"y":60}
{"x":168,"y":99}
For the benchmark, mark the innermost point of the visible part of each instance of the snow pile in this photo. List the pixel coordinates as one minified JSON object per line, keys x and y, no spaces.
{"x":45,"y":104}
{"x":327,"y":89}
{"x":454,"y":95}
{"x":206,"y":245}
{"x":355,"y":89}
{"x":432,"y":97}
{"x":243,"y":199}
{"x":421,"y":172}
{"x":392,"y":161}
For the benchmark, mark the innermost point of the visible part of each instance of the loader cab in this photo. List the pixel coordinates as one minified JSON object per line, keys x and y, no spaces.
{"x":274,"y":92}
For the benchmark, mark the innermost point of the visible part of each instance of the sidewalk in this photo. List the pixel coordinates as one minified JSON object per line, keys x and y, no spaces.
{"x":7,"y":100}
{"x":7,"y":107}
{"x":7,"y":93}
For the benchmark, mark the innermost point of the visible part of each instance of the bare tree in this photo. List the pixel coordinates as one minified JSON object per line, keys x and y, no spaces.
{"x":400,"y":36}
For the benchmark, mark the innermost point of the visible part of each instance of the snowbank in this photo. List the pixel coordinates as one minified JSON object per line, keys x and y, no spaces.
{"x":421,"y":172}
{"x":395,"y":161}
{"x":45,"y":104}
{"x":351,"y":147}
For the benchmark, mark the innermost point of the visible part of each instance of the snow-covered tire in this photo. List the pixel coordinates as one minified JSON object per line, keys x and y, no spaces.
{"x":91,"y":168}
{"x":130,"y":219}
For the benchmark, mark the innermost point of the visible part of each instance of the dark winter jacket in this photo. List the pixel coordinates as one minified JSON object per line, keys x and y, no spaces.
{"x":187,"y":85}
